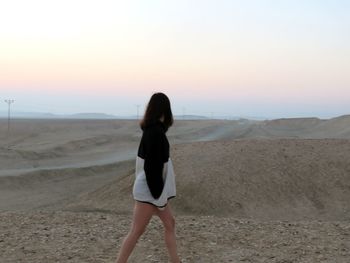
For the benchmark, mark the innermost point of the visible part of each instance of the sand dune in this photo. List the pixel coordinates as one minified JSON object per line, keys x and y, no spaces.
{"x":335,"y":128}
{"x":53,"y":189}
{"x":285,"y":179}
{"x":251,"y":191}
{"x":308,"y":174}
{"x":54,"y":144}
{"x":312,"y":128}
{"x":75,"y":143}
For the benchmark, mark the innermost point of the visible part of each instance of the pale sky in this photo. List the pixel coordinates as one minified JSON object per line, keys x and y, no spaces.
{"x":281,"y":58}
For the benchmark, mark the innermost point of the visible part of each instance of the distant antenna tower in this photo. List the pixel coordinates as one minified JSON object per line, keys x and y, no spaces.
{"x":9,"y":102}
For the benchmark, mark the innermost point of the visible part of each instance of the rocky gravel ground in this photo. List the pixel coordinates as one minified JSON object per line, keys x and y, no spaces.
{"x":44,"y":237}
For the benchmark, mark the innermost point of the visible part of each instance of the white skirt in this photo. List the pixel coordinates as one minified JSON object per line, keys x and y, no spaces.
{"x":141,"y":191}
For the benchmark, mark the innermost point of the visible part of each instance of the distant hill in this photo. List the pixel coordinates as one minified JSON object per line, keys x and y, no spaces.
{"x":29,"y":115}
{"x":266,"y":123}
{"x":85,"y":115}
{"x":47,"y":115}
{"x":190,"y":117}
{"x":91,"y":116}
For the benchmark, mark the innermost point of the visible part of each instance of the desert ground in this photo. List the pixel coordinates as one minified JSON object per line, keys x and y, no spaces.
{"x":247,"y":190}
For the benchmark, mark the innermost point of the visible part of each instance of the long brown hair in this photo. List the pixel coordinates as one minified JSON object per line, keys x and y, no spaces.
{"x":158,"y":106}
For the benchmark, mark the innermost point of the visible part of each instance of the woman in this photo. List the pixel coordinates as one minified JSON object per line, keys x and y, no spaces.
{"x":155,"y":179}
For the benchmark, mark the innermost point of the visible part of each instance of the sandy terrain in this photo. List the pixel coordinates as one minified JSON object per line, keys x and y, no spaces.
{"x":248,"y":191}
{"x":54,"y":144}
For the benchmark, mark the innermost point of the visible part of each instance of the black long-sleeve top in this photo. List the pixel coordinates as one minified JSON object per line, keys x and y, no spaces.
{"x":154,"y":149}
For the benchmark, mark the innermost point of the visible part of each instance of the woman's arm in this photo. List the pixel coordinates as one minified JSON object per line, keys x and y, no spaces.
{"x":154,"y":160}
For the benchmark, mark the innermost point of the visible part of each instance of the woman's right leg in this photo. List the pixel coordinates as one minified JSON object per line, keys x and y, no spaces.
{"x":169,"y":232}
{"x":142,"y":214}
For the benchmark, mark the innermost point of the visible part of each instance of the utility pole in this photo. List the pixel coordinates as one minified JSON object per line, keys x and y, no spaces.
{"x":137,"y":111}
{"x":9,"y":102}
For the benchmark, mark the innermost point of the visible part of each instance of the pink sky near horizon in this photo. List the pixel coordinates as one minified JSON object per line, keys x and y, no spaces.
{"x":267,"y":51}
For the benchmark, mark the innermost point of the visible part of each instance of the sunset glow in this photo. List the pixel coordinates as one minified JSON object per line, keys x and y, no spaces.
{"x":218,"y":54}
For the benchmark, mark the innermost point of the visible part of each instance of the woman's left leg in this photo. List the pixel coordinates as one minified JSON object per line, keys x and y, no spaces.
{"x":169,"y":232}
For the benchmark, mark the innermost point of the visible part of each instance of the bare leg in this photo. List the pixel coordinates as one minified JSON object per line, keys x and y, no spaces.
{"x":142,"y":215}
{"x":169,"y":232}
